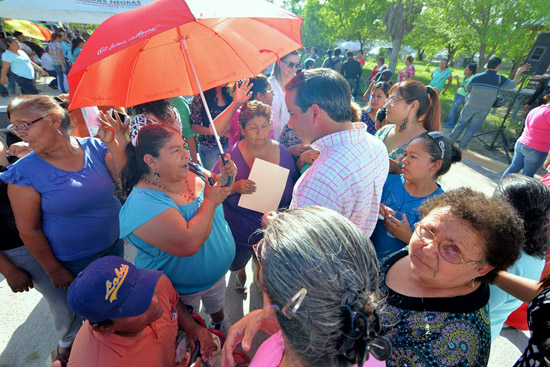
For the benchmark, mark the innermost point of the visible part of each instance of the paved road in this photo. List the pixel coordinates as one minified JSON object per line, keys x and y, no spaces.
{"x":27,"y":336}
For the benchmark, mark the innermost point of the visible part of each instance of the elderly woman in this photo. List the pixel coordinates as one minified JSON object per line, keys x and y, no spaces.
{"x":531,"y":199}
{"x":254,"y":122}
{"x":437,"y":302}
{"x":174,"y":218}
{"x":320,"y":291}
{"x":62,"y":195}
{"x":22,"y":68}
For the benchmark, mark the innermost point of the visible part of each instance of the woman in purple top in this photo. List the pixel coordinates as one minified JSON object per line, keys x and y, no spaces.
{"x":255,"y":125}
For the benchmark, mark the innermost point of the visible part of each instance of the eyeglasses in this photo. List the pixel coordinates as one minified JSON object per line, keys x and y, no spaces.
{"x":268,"y":91}
{"x":438,"y":138}
{"x":448,"y":252}
{"x":392,"y":101}
{"x":291,"y":64}
{"x":24,"y":126}
{"x":256,"y":128}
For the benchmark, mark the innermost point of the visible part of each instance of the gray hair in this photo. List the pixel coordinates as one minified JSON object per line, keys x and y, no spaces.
{"x":320,"y":250}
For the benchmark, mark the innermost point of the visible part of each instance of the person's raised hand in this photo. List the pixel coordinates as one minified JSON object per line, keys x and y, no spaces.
{"x":242,"y":92}
{"x":107,"y":130}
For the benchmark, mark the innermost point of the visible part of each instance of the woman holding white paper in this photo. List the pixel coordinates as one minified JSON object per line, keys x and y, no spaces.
{"x":254,"y":122}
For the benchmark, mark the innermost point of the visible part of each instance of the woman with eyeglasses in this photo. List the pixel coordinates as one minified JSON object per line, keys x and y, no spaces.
{"x":412,"y":109}
{"x":427,"y":158}
{"x":283,"y":71}
{"x":320,"y":291}
{"x":255,"y":126}
{"x":62,"y":196}
{"x":436,"y":311}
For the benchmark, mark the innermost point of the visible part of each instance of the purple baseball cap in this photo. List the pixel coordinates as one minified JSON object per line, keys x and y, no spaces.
{"x":111,"y":288}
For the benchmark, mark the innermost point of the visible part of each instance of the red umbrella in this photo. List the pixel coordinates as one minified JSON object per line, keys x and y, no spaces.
{"x":140,"y":55}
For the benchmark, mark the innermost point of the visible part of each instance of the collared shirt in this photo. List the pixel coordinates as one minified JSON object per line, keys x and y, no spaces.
{"x":153,"y":346}
{"x":54,"y":47}
{"x":348,"y":176}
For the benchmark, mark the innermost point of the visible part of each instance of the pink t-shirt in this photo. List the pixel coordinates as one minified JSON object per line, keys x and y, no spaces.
{"x":536,"y":134}
{"x":234,"y":133}
{"x":270,"y":354}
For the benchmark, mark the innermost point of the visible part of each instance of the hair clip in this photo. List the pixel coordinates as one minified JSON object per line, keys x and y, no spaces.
{"x":134,"y":141}
{"x":295,"y":302}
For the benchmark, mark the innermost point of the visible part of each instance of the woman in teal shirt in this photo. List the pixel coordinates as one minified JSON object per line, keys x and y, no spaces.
{"x":175,"y":219}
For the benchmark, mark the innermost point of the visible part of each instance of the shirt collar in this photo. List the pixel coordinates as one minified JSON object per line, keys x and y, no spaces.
{"x":356,"y":135}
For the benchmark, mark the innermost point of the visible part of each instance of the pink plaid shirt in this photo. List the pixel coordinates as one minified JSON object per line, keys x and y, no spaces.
{"x":407,"y":73}
{"x":348,"y":176}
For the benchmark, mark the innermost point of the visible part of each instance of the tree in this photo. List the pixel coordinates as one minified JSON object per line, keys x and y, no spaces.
{"x":496,"y":26}
{"x":399,"y":20}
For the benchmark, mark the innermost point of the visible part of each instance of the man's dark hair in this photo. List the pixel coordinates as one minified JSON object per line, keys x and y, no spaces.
{"x":326,"y":88}
{"x":17,"y":34}
{"x":349,"y":54}
{"x":494,"y":62}
{"x":337,"y":52}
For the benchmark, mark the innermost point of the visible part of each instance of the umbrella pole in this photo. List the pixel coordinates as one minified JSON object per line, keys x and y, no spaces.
{"x":230,"y":179}
{"x":184,"y":43}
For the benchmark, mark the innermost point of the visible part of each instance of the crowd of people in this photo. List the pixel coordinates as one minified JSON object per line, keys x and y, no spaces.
{"x":367,"y":261}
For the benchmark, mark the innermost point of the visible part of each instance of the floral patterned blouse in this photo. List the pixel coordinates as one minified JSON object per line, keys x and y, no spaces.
{"x":199,"y":117}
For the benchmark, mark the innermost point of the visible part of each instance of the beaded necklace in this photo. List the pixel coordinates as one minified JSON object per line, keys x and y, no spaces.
{"x":190,"y":196}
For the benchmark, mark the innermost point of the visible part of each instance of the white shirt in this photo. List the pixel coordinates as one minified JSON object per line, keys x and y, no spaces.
{"x":348,"y":176}
{"x":47,"y":63}
{"x":278,"y":108}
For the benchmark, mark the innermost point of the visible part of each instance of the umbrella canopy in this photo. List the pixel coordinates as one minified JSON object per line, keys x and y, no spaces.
{"x":30,"y":29}
{"x":350,"y":46}
{"x":139,"y":55}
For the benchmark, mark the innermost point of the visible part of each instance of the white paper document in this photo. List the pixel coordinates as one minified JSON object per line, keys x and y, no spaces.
{"x":270,"y":182}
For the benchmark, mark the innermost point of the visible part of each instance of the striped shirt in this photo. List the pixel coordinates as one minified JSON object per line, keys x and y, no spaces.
{"x":483,"y":89}
{"x":348,"y":176}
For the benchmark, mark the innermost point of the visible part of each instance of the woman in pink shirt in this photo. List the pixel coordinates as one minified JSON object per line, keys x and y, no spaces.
{"x":532,"y":147}
{"x":408,"y":71}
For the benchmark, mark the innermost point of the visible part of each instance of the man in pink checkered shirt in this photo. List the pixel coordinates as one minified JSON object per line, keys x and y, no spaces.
{"x":349,"y":174}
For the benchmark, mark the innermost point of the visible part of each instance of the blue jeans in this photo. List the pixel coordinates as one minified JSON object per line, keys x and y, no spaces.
{"x":26,"y":85}
{"x":531,"y":160}
{"x":458,"y":101}
{"x":470,"y":120}
{"x":60,"y":78}
{"x":210,"y":157}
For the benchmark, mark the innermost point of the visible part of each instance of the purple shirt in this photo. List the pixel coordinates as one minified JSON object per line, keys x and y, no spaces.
{"x":243,"y":222}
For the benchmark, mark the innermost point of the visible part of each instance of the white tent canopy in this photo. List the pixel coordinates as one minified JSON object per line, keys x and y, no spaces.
{"x":70,"y":11}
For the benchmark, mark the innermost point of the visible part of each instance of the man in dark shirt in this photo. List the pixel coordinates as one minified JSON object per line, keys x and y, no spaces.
{"x":352,"y":70}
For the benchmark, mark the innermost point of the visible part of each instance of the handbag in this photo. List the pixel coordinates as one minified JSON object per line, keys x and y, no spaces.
{"x":499,"y":101}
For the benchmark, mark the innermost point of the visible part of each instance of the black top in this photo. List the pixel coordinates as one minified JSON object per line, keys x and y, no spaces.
{"x":8,"y":231}
{"x":351,"y":69}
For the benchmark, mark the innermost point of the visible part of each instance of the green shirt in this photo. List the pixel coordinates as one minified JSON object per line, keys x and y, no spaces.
{"x":183,"y":109}
{"x":462,"y":90}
